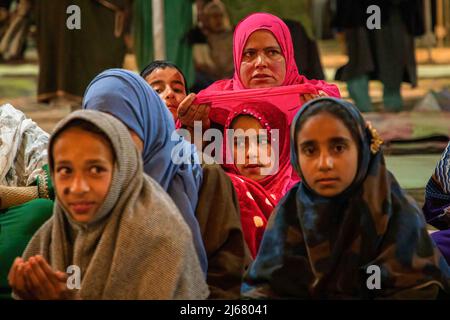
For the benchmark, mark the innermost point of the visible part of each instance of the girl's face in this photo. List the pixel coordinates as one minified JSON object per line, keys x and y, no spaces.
{"x":263,"y":64}
{"x":83,"y":172}
{"x":249,"y":146}
{"x":327,"y":154}
{"x":170,"y":86}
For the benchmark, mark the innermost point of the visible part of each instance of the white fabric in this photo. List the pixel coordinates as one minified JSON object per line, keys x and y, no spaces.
{"x":23,"y":148}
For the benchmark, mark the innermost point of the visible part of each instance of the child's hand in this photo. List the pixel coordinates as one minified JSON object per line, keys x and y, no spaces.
{"x":17,"y":281}
{"x":35,"y":279}
{"x":44,"y":282}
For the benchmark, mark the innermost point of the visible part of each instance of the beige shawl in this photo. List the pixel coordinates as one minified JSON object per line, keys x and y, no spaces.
{"x":138,"y":245}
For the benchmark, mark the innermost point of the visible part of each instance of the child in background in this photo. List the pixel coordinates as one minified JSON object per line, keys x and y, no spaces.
{"x":169,"y":83}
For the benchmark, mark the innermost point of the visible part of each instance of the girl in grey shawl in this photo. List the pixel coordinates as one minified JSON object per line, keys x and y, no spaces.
{"x":132,"y":244}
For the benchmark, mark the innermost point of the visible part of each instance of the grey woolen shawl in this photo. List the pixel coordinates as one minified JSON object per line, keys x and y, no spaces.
{"x":137,"y":246}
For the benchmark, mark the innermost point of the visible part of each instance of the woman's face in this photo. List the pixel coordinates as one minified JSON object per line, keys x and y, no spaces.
{"x":83,"y":172}
{"x":263,"y":64}
{"x":252,"y":148}
{"x":170,"y":86}
{"x":327,"y":154}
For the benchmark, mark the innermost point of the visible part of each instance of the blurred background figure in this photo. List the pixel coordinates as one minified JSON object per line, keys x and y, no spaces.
{"x":177,"y":21}
{"x":70,"y":59}
{"x":386,"y":54}
{"x":212,"y":45}
{"x":14,"y":26}
{"x":321,"y":17}
{"x":4,"y":16}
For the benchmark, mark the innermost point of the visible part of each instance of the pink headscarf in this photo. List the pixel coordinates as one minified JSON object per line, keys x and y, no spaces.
{"x":296,"y":83}
{"x":270,"y":117}
{"x":257,"y":199}
{"x":265,"y":21}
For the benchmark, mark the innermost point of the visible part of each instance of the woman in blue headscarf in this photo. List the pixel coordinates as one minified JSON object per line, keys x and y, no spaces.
{"x":168,"y":158}
{"x":347,"y":230}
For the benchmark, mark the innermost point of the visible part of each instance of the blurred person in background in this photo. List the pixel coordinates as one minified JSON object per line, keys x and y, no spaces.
{"x":386,"y":54}
{"x":177,"y":23}
{"x":70,"y":59}
{"x":15,"y":22}
{"x":212,"y":45}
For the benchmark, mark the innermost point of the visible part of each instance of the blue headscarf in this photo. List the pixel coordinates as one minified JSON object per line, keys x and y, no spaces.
{"x":129,"y":98}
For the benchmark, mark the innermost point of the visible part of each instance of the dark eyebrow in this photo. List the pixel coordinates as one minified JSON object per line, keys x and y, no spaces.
{"x":89,"y":161}
{"x":269,"y":48}
{"x":96,"y":161}
{"x":178,"y":82}
{"x":266,"y":48}
{"x":307,"y":143}
{"x":156,"y":82}
{"x":339,"y":140}
{"x":63,"y":162}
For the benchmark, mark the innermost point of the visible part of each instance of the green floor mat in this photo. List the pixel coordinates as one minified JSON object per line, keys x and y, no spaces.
{"x":412,"y":171}
{"x":14,"y":87}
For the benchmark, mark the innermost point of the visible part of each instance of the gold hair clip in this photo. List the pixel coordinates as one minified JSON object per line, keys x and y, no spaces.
{"x":376,"y":140}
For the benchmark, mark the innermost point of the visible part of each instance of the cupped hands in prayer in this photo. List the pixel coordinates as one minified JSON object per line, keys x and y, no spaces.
{"x":36,"y":280}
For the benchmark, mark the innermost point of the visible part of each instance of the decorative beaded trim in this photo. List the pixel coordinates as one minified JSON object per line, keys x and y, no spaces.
{"x":43,"y":186}
{"x":376,"y":140}
{"x":255,"y":115}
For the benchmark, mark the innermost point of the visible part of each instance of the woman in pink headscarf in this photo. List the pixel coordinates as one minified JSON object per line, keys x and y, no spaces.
{"x":263,"y":58}
{"x":263,"y":174}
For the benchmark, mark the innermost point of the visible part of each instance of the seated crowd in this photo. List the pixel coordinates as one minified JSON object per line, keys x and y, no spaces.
{"x":294,"y":199}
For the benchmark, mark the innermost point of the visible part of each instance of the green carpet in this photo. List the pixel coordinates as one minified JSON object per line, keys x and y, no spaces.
{"x":412,"y":171}
{"x":14,"y":87}
{"x":19,"y":70}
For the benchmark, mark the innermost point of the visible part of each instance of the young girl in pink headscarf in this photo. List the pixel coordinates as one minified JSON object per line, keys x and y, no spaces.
{"x":259,"y":182}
